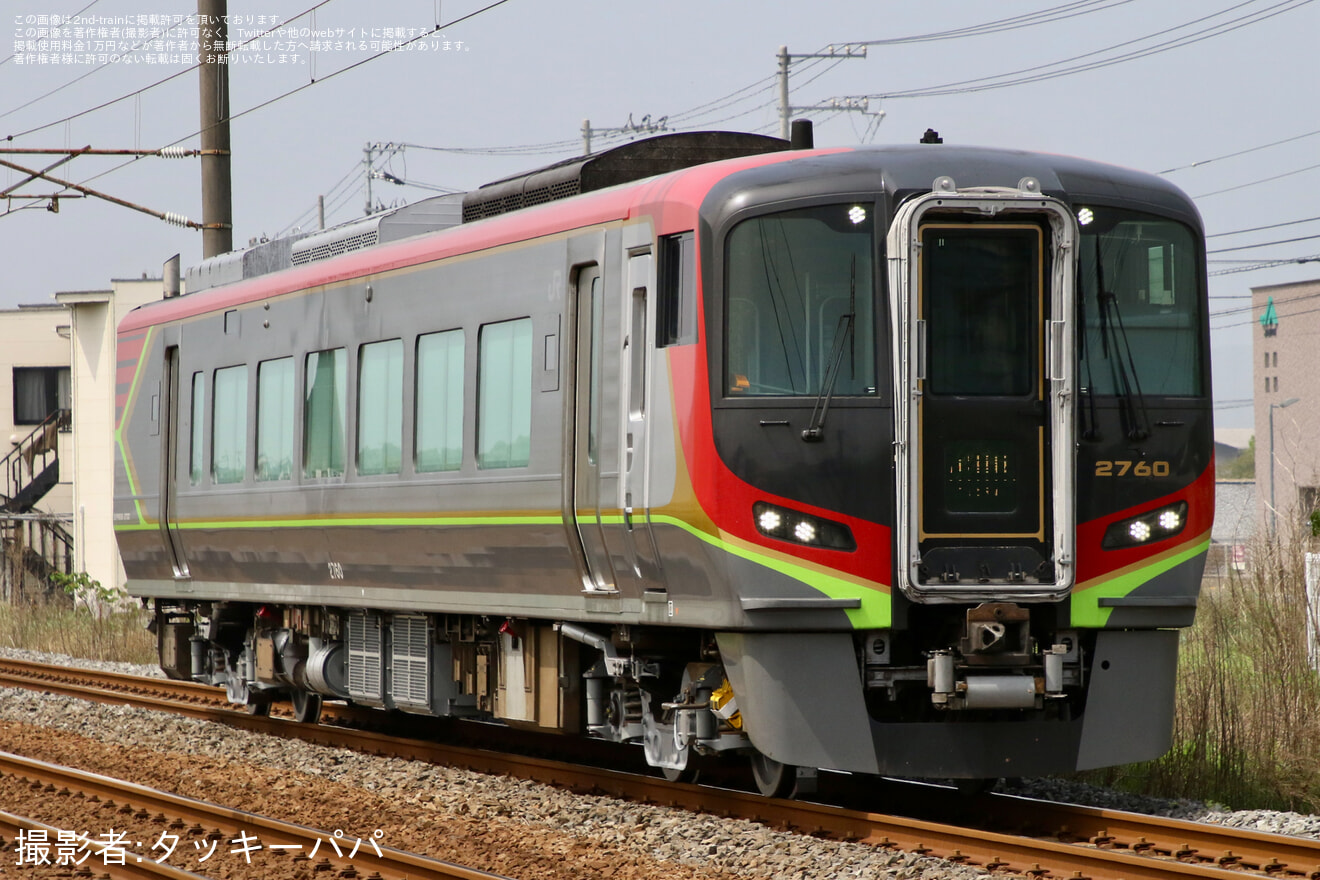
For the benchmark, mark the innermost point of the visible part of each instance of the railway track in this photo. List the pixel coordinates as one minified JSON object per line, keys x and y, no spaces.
{"x":193,"y":832}
{"x":1008,"y":834}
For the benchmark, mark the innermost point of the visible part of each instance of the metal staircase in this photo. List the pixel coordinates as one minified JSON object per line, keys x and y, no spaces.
{"x":32,"y":544}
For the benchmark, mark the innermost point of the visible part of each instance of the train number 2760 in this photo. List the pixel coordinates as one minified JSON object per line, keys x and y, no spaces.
{"x":1132,"y":468}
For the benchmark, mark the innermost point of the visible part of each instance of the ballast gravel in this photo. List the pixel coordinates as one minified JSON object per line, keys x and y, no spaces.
{"x":508,"y":826}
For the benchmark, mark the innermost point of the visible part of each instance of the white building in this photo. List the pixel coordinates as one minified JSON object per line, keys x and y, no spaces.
{"x":94,"y":317}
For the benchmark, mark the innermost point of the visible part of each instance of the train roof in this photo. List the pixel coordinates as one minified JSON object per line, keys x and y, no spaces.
{"x":900,"y":171}
{"x":719,"y":175}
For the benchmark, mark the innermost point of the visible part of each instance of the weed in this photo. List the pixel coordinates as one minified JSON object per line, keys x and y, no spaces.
{"x":1246,"y":732}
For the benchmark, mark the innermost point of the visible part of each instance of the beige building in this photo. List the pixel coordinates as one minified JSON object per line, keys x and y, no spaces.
{"x":57,"y":384}
{"x":1285,"y":336}
{"x":36,"y":496}
{"x":93,"y":317}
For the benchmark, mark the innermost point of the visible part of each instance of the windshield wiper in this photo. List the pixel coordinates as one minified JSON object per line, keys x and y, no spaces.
{"x":1123,"y":368}
{"x":1115,"y":348}
{"x":843,"y":333}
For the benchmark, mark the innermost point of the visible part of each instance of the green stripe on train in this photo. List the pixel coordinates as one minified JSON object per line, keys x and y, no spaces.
{"x":1086,"y":610}
{"x":874,"y":613}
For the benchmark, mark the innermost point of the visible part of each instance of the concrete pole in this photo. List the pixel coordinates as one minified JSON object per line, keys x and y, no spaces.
{"x":783,"y":93}
{"x":217,"y":187}
{"x":368,"y":155}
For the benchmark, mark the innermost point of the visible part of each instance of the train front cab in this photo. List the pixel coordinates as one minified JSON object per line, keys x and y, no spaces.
{"x":1013,"y":646}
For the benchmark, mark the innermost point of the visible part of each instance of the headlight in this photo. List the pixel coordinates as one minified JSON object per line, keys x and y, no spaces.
{"x":800,"y":528}
{"x":1157,"y":525}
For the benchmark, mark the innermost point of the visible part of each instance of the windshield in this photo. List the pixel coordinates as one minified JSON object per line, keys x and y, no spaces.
{"x":795,"y":281}
{"x":1148,"y":265}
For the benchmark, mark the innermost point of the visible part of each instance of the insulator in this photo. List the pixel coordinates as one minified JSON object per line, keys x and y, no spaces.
{"x":175,"y":152}
{"x":176,"y":219}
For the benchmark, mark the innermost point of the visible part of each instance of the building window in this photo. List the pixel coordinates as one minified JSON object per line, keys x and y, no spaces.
{"x":39,"y":392}
{"x":1276,"y":383}
{"x":229,"y":425}
{"x":325,"y":393}
{"x":195,"y":460}
{"x":1276,"y":358}
{"x":275,"y":407}
{"x":439,"y":415}
{"x":380,"y":407}
{"x":504,"y":394}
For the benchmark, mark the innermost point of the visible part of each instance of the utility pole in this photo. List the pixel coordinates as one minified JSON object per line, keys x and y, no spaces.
{"x":786,"y":60}
{"x":217,"y":186}
{"x":369,"y":162}
{"x":646,"y":126}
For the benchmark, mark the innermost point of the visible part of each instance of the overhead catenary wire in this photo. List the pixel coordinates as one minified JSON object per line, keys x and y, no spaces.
{"x":10,"y":57}
{"x":1269,"y":179}
{"x":286,"y":94}
{"x":1028,"y":19}
{"x":95,"y":70}
{"x":1055,"y":69}
{"x":1248,"y":150}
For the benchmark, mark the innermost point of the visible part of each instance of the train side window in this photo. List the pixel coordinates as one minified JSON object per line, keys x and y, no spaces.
{"x":380,"y":407}
{"x":229,"y":425}
{"x":325,"y":396}
{"x":676,"y":304}
{"x":438,"y":417}
{"x":195,"y":461}
{"x":275,"y":409}
{"x":504,"y":394}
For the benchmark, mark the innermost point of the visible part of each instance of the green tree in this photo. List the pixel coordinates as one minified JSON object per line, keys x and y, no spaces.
{"x":1241,"y":468}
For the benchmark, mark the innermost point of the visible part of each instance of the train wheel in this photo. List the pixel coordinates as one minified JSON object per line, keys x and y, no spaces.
{"x":257,"y":705}
{"x":690,"y":773}
{"x":306,"y":707}
{"x":773,"y":779}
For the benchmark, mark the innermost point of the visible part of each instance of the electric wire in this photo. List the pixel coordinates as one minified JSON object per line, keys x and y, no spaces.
{"x":1029,"y":19}
{"x":10,"y":57}
{"x":96,"y":69}
{"x":176,"y":75}
{"x":1270,"y":179}
{"x":282,"y":96}
{"x":1054,"y":69}
{"x":1247,"y":247}
{"x":1241,"y":152}
{"x":1262,"y":228}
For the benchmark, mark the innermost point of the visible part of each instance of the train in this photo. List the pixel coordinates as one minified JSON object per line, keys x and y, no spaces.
{"x":879,"y":459}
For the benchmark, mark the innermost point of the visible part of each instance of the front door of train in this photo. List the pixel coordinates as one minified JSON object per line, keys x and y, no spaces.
{"x":984,"y":306}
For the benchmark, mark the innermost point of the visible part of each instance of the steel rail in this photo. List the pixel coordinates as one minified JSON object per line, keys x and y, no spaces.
{"x":1065,"y":840}
{"x":12,"y":825}
{"x":1274,"y":854}
{"x":270,"y":832}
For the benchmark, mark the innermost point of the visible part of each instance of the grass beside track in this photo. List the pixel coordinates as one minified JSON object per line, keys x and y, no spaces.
{"x":58,"y":626}
{"x":1247,"y":728}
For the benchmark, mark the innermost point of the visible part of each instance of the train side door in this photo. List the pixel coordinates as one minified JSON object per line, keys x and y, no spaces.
{"x":983,"y":309}
{"x":167,"y":411}
{"x":595,"y":470}
{"x":635,"y":541}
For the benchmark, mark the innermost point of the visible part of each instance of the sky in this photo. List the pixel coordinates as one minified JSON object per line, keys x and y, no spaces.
{"x":1221,"y":97}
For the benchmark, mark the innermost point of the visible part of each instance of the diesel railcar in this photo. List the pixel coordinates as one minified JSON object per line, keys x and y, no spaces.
{"x":887,"y":460}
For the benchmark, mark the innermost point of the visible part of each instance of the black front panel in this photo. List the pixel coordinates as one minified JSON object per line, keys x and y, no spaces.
{"x":983,"y":448}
